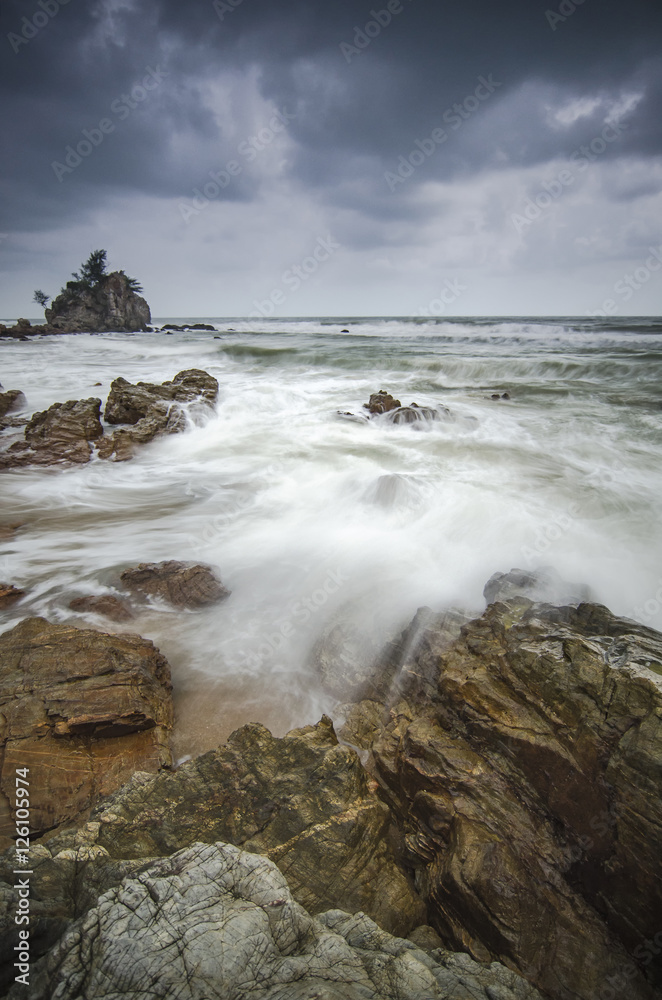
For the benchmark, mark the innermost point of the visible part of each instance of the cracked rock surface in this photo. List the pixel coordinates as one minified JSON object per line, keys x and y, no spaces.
{"x":524,"y":761}
{"x":216,"y":923}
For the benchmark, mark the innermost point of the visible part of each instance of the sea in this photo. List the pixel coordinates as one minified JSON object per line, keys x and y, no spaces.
{"x":313,"y":517}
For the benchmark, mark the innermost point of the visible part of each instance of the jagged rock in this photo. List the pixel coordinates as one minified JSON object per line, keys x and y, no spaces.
{"x":82,"y":710}
{"x":12,"y":399}
{"x":110,"y":306}
{"x":541,"y":585}
{"x":381,"y":402}
{"x":180,"y":584}
{"x":9,"y":594}
{"x":220,"y":923}
{"x":128,"y":403}
{"x":152,"y":409}
{"x":523,"y":762}
{"x":103,"y":604}
{"x":62,"y":433}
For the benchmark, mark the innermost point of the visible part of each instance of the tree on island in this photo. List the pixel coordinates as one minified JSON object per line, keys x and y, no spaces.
{"x":91,"y":275}
{"x":40,"y":298}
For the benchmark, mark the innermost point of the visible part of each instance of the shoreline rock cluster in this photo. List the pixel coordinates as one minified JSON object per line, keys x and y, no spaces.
{"x":493,"y":796}
{"x":70,"y":432}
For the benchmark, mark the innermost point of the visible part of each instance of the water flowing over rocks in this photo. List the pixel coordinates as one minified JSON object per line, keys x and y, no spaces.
{"x":9,"y":594}
{"x":153,"y":409}
{"x":110,"y":306}
{"x":11,"y":399}
{"x":382,"y":403}
{"x":67,"y":432}
{"x":523,"y":762}
{"x":181,"y":584}
{"x":217,"y":922}
{"x":102,"y":604}
{"x":541,"y":585}
{"x":82,"y":710}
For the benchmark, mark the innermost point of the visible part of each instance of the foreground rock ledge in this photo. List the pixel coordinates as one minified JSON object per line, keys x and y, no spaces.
{"x":219,"y":923}
{"x":524,"y":760}
{"x":83,"y":711}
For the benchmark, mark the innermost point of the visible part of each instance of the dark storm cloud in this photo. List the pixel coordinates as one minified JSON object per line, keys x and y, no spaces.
{"x":357,"y":109}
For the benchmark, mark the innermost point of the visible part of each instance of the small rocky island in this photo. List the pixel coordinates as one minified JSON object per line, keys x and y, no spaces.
{"x":93,"y":301}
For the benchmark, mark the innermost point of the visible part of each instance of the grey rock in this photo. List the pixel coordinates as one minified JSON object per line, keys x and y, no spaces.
{"x":109,"y":306}
{"x":216,"y":923}
{"x":540,"y":585}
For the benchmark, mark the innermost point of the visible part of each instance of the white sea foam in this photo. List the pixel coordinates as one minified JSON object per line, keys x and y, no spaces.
{"x":291,"y":502}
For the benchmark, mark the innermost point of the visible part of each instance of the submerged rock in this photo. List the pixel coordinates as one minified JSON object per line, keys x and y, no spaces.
{"x":62,"y":433}
{"x":217,"y":922}
{"x":181,"y":584}
{"x":111,"y":305}
{"x":103,"y":604}
{"x":381,"y":402}
{"x":523,"y":761}
{"x":83,"y":711}
{"x":9,"y":594}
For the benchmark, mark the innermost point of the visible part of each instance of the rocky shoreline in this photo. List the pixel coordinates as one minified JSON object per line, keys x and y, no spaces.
{"x":482,"y":819}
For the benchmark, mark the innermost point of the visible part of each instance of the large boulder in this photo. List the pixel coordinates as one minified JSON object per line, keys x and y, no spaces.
{"x":153,"y":409}
{"x":83,"y":711}
{"x":109,"y":306}
{"x":181,"y":584}
{"x":303,"y":801}
{"x":128,"y":403}
{"x":62,"y":433}
{"x":218,"y":923}
{"x":524,"y":760}
{"x":11,"y":399}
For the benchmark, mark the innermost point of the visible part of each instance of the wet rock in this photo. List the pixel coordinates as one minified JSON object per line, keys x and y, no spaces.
{"x":83,"y":711}
{"x":103,"y":604}
{"x":543,"y":585}
{"x":218,"y":922}
{"x":180,"y":584}
{"x":7,"y":531}
{"x":9,"y":595}
{"x":303,"y":801}
{"x":128,"y":403}
{"x":415,"y":414}
{"x":111,"y":305}
{"x":153,"y":409}
{"x":11,"y":399}
{"x":62,"y":433}
{"x":523,"y":761}
{"x":381,"y":402}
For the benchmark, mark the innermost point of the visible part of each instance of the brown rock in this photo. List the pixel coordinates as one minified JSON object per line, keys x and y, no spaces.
{"x":62,"y":433}
{"x":381,"y":402}
{"x":181,"y":584}
{"x":524,"y":765}
{"x":12,"y":399}
{"x":103,"y":604}
{"x":9,"y":594}
{"x":82,"y":710}
{"x":128,"y":403}
{"x":111,"y":305}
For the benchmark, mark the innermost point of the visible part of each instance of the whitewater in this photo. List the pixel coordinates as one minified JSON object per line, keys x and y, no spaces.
{"x":309,"y":517}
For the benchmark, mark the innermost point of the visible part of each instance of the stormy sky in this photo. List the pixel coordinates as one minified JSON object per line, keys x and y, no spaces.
{"x":336,"y":158}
